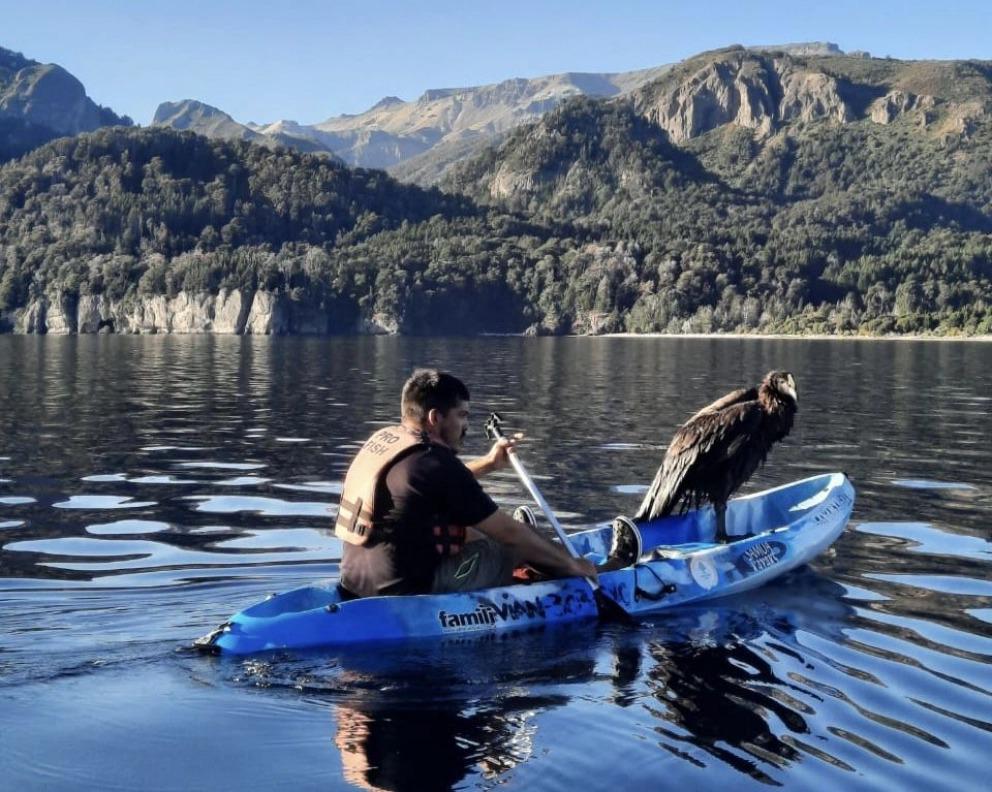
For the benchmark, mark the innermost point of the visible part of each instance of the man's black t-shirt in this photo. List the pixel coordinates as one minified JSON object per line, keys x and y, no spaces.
{"x":428,"y":487}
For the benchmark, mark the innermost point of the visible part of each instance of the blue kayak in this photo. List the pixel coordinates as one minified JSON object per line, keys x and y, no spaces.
{"x":771,"y":533}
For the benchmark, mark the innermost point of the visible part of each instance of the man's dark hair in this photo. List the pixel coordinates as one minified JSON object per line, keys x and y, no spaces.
{"x":430,"y":389}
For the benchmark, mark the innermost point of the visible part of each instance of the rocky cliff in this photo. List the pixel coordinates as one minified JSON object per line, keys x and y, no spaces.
{"x":226,"y":312}
{"x":897,"y":103}
{"x":750,"y":90}
{"x":765,"y":91}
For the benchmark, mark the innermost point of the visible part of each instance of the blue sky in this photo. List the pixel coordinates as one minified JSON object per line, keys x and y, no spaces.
{"x":308,"y":60}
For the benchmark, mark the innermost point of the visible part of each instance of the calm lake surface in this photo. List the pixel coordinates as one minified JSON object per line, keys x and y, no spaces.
{"x":150,"y":486}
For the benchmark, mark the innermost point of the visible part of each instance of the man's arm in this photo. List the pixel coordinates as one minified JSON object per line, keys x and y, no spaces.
{"x":481,"y":465}
{"x":497,"y":458}
{"x":529,"y":547}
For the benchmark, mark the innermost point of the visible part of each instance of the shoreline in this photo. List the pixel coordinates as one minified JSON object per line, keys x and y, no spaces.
{"x":695,"y":336}
{"x":797,"y":337}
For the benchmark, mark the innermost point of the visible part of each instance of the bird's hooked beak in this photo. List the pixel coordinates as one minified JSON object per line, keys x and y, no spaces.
{"x":789,"y":387}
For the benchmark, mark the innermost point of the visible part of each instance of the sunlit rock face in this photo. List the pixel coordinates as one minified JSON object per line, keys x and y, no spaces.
{"x":808,"y":95}
{"x":898,"y":103}
{"x":229,"y":311}
{"x":267,"y":315}
{"x":746,"y":89}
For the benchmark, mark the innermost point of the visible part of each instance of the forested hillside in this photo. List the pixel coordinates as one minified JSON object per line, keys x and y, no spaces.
{"x":128,"y":214}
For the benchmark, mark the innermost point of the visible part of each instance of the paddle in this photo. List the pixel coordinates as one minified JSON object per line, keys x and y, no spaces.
{"x":608,"y":608}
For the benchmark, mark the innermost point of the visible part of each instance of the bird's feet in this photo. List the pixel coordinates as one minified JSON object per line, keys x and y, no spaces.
{"x":721,"y":528}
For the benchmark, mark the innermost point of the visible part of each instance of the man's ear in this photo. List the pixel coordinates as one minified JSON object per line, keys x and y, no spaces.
{"x":433,"y":417}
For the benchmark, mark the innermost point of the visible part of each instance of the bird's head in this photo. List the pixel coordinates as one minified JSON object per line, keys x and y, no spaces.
{"x":783,"y":383}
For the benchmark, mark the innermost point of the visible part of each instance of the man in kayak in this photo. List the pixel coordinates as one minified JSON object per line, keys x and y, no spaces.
{"x":414,"y":519}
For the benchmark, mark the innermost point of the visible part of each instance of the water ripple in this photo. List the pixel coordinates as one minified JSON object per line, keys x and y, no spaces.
{"x":102,"y":502}
{"x":946,"y":584}
{"x":223,"y":465}
{"x":128,"y":527}
{"x":230,"y":504}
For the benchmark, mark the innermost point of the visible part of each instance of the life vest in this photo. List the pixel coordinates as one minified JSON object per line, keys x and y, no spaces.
{"x":357,"y":515}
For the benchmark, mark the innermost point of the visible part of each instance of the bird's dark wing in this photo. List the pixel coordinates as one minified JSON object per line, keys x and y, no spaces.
{"x":708,"y":439}
{"x":734,"y":397}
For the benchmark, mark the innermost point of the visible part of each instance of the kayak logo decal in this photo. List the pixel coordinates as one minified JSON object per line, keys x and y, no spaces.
{"x":488,"y":614}
{"x":839,"y":502}
{"x":703,"y":571}
{"x":760,"y":556}
{"x":482,"y":616}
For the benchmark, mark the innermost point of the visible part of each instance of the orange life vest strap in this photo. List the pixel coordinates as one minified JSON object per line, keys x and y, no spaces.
{"x":449,"y":539}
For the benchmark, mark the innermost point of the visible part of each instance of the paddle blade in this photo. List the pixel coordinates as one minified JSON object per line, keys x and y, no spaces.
{"x":611,"y":610}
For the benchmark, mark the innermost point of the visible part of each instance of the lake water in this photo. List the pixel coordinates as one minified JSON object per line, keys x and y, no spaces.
{"x":150,"y":486}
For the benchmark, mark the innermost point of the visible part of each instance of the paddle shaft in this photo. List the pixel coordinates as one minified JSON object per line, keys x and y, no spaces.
{"x":494,"y":429}
{"x":535,"y":493}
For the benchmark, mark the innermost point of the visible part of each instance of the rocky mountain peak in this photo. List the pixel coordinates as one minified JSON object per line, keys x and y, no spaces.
{"x":202,"y":118}
{"x":742,"y":87}
{"x":12,"y":62}
{"x":386,"y":101}
{"x":49,"y":96}
{"x":433,"y":94}
{"x":167,"y":112}
{"x":417,"y":140}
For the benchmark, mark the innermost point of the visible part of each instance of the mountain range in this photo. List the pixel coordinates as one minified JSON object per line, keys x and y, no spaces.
{"x":419,"y":138}
{"x":418,"y":141}
{"x":764,"y":189}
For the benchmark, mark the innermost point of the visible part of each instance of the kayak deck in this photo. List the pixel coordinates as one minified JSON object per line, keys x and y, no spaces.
{"x":772,"y":532}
